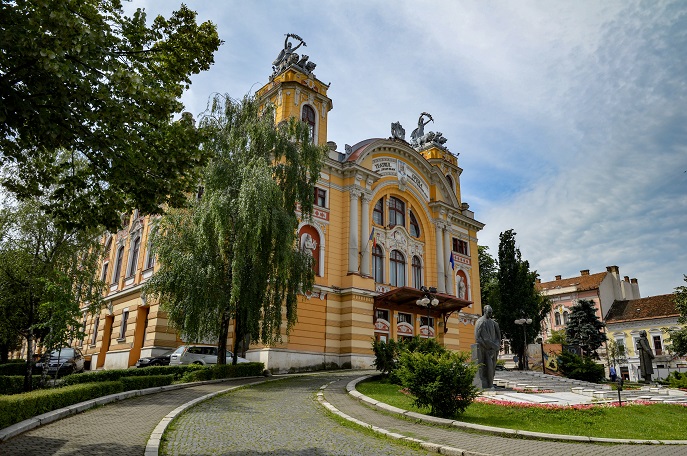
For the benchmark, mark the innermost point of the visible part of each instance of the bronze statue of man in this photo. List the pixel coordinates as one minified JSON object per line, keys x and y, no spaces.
{"x":488,"y":340}
{"x":645,"y":357}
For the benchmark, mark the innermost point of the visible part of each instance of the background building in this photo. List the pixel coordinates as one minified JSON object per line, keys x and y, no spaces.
{"x":388,"y":220}
{"x":627,"y":318}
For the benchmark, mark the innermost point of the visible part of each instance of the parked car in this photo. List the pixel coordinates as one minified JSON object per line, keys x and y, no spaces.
{"x":199,"y":354}
{"x":159,"y":360}
{"x":63,"y":361}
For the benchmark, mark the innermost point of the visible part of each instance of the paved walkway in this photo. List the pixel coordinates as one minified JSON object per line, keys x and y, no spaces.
{"x":119,"y":428}
{"x":276,"y":418}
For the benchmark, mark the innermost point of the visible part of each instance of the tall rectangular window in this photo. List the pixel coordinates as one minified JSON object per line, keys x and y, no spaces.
{"x":95,"y":330}
{"x":320,"y":197}
{"x":658,"y":347}
{"x":122,"y":329}
{"x":460,"y":246}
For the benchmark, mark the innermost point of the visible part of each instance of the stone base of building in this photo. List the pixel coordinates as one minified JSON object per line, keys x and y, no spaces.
{"x":280,"y":361}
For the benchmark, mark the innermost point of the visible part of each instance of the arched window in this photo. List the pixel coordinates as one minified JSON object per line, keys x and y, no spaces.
{"x":118,"y":265}
{"x":397,"y":212}
{"x":378,"y":212}
{"x":557,"y":317}
{"x":566,"y":317}
{"x":397,"y":269}
{"x":414,"y":226}
{"x":133,"y":256}
{"x":309,"y":118}
{"x":378,"y":264}
{"x":417,"y":272}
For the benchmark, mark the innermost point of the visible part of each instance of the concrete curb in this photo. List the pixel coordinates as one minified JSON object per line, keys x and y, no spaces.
{"x":153,"y":445}
{"x":54,"y":415}
{"x":350,"y":388}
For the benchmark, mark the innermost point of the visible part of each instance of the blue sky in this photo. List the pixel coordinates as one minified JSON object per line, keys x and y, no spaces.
{"x":570,"y":117}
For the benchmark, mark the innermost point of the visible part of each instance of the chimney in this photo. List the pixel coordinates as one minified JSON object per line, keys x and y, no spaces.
{"x":613,"y":269}
{"x":635,"y":289}
{"x":584,"y":272}
{"x":626,"y":278}
{"x":558,"y":277}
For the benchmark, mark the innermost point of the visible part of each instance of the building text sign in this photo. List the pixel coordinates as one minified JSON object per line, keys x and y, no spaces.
{"x":388,"y":166}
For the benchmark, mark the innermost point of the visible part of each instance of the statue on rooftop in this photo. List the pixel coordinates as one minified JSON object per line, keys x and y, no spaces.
{"x":288,"y":57}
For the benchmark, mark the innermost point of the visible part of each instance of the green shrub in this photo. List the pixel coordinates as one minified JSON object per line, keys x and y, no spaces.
{"x":177,"y":371}
{"x":14,"y":384}
{"x":17,"y":367}
{"x":19,"y":407}
{"x":386,"y":355}
{"x":148,"y":381}
{"x":420,"y":345}
{"x":224,"y":371}
{"x":580,"y":368}
{"x":442,"y":381}
{"x":677,"y":380}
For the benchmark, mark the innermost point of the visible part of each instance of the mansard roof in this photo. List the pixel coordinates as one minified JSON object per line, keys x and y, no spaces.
{"x":661,"y":306}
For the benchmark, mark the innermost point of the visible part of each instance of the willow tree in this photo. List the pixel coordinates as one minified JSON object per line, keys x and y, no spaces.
{"x":232,"y":255}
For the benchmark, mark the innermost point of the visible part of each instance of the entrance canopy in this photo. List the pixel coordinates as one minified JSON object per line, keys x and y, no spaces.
{"x":405,"y":298}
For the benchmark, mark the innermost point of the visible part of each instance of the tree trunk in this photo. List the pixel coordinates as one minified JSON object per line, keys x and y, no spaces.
{"x":238,"y":336}
{"x":223,"y":333}
{"x":28,"y":384}
{"x":4,"y":353}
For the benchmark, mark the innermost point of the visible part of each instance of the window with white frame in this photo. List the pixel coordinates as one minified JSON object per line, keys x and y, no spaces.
{"x":397,"y":269}
{"x":378,"y":264}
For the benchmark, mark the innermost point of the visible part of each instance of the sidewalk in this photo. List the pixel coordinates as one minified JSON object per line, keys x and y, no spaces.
{"x":465,"y":442}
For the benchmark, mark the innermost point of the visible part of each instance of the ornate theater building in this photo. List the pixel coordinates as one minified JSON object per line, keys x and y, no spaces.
{"x":388,"y":230}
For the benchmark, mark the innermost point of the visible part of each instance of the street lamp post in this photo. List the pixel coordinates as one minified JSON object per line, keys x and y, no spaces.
{"x":427,"y":301}
{"x":524,"y":322}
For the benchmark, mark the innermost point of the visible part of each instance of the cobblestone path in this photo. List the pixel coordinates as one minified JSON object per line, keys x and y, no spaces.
{"x":119,"y":428}
{"x":276,"y":418}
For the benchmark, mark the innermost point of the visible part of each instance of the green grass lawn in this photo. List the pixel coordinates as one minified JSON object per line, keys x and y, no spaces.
{"x":648,"y":422}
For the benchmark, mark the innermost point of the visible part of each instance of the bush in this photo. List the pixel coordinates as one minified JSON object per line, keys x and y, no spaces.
{"x":677,"y":380}
{"x":419,"y":345}
{"x":115,"y":374}
{"x":16,"y":367}
{"x":148,"y":381}
{"x":386,"y":356}
{"x":19,"y":407}
{"x":443,"y":382}
{"x":580,"y":368}
{"x":14,"y":384}
{"x":224,"y":371}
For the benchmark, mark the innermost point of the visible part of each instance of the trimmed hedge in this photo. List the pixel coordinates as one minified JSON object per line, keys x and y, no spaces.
{"x":149,"y":381}
{"x":224,"y":371}
{"x":14,"y":384}
{"x":15,"y":367}
{"x":19,"y":407}
{"x":116,"y":374}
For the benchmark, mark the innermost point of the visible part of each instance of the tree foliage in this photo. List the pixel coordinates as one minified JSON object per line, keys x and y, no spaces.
{"x":46,"y":273}
{"x":584,"y":328}
{"x":232,"y":255}
{"x":678,"y":337}
{"x":616,"y":353}
{"x":488,"y":273}
{"x":557,"y":337}
{"x":516,"y":296}
{"x":580,"y":367}
{"x":81,"y":77}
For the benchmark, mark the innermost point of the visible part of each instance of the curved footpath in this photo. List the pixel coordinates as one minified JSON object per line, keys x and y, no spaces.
{"x":280,"y":418}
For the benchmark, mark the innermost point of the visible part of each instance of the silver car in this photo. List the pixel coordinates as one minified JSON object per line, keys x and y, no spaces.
{"x":199,"y":354}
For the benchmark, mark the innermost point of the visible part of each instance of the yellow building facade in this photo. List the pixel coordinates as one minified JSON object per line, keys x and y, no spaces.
{"x":388,"y":229}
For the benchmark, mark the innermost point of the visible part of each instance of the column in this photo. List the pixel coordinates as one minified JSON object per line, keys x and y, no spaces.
{"x":365,"y":235}
{"x":447,"y":264}
{"x":441,"y":287}
{"x":353,"y":232}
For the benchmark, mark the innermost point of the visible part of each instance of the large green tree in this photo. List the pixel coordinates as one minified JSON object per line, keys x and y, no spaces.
{"x":678,"y":337}
{"x":233,"y":256}
{"x":488,"y":273}
{"x":516,"y":296}
{"x":80,"y":76}
{"x":46,"y":273}
{"x":584,"y":328}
